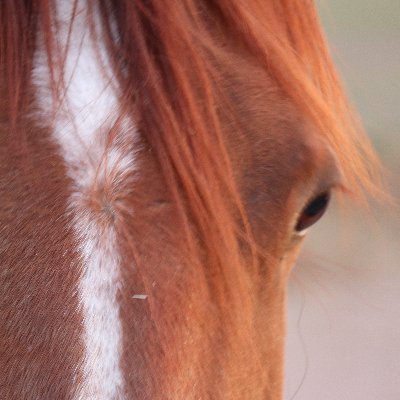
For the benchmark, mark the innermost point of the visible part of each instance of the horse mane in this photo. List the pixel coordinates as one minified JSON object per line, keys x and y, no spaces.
{"x":164,"y":59}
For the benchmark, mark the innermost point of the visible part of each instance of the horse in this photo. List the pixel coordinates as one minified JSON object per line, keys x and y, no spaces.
{"x":160,"y":165}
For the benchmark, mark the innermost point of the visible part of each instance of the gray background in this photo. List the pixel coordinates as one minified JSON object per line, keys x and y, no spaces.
{"x":344,"y":294}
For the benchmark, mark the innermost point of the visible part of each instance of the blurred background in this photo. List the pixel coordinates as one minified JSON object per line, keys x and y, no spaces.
{"x":344,"y":295}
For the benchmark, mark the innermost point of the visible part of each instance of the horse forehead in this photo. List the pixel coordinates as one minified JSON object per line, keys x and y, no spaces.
{"x":269,"y":125}
{"x":273,"y":139}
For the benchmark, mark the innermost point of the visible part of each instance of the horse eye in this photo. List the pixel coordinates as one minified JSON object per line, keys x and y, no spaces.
{"x":314,"y":210}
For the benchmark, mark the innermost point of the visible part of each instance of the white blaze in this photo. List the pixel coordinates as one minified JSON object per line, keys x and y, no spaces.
{"x":81,"y":126}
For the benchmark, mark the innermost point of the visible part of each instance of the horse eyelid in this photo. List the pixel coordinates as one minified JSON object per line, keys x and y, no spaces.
{"x":313,"y":211}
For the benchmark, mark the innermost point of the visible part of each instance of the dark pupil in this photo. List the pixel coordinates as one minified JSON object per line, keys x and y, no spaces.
{"x":313,"y":212}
